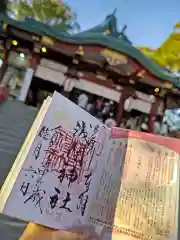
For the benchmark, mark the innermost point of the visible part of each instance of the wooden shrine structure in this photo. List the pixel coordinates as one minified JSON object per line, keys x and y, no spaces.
{"x":101,"y":60}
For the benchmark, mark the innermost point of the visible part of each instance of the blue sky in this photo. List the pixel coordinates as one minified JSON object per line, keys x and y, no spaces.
{"x":149,"y":21}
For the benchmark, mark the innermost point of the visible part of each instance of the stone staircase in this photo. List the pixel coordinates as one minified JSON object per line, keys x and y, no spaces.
{"x":16,"y":119}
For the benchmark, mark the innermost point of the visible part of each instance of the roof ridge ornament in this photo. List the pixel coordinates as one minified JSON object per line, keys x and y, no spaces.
{"x":114,"y":12}
{"x":111,"y":22}
{"x":123,"y":29}
{"x":112,"y":15}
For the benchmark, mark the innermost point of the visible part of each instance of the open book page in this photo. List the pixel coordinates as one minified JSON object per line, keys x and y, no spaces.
{"x":11,"y":178}
{"x":105,"y":195}
{"x":148,"y":203}
{"x":54,"y":185}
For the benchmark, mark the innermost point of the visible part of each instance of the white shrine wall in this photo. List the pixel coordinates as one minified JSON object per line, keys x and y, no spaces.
{"x":54,"y":72}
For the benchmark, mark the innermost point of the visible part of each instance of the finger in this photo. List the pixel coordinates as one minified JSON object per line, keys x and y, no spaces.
{"x":87,"y":231}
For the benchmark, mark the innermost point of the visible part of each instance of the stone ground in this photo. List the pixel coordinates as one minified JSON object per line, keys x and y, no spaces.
{"x":10,"y":229}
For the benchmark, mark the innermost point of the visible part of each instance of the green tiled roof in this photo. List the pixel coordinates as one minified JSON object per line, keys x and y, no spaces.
{"x":95,"y":36}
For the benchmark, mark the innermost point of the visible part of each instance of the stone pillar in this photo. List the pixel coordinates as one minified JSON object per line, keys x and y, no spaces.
{"x":125,"y":94}
{"x":30,"y":71}
{"x":26,"y":84}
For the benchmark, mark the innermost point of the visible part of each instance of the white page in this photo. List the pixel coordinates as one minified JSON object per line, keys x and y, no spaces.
{"x":103,"y":205}
{"x":41,"y":193}
{"x":148,"y":201}
{"x":142,"y":201}
{"x":147,"y":206}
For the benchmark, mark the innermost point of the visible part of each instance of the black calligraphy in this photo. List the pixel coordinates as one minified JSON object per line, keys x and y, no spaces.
{"x":83,"y":197}
{"x":81,"y":130}
{"x":37,"y":151}
{"x":65,"y":202}
{"x":24,"y":188}
{"x":34,"y":194}
{"x":33,"y":191}
{"x":44,"y":135}
{"x":54,"y":199}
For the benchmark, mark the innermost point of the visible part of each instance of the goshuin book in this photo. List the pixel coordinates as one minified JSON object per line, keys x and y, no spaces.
{"x":72,"y":170}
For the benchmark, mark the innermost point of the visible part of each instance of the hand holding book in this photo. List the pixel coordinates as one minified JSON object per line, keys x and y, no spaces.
{"x":72,"y":170}
{"x":38,"y":232}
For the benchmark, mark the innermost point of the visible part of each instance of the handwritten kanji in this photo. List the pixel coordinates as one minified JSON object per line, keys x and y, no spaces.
{"x":54,"y":199}
{"x":36,"y":196}
{"x":37,"y":151}
{"x":32,"y":191}
{"x":24,"y":188}
{"x":65,"y":202}
{"x":44,"y":133}
{"x":83,"y":197}
{"x":81,"y":130}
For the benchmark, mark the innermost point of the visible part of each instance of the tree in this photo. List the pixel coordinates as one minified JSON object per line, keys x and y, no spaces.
{"x":168,"y":54}
{"x":51,"y":12}
{"x":3,"y":5}
{"x":146,"y":50}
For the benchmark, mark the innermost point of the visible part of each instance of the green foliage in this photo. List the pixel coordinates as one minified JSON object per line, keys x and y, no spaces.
{"x":51,"y":12}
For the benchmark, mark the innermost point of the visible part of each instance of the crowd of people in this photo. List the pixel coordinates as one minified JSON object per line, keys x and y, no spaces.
{"x":105,"y":110}
{"x":99,"y":107}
